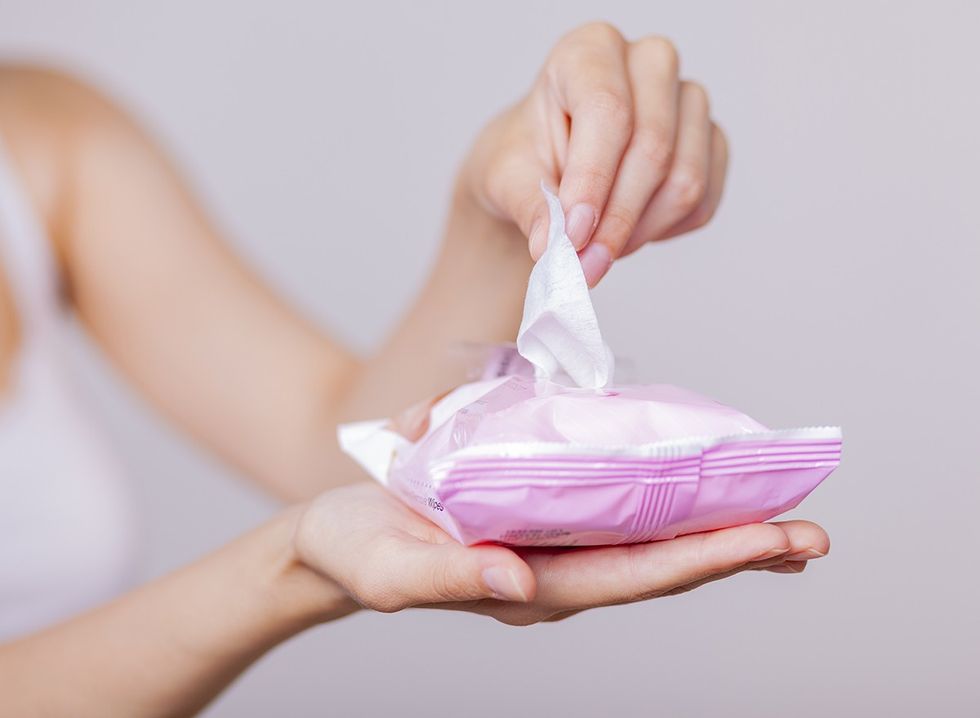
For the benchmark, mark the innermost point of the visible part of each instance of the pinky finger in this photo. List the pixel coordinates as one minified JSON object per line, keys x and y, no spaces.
{"x":703,"y":213}
{"x":773,"y":564}
{"x":708,"y":205}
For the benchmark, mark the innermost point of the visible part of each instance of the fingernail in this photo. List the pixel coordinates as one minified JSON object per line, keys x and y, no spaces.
{"x":596,"y":261}
{"x":805,"y":555}
{"x":537,"y":240}
{"x":771,"y":553}
{"x":579,"y":223}
{"x":503,"y":583}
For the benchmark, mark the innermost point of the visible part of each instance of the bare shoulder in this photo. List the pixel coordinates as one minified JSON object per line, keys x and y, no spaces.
{"x":44,"y":114}
{"x":48,"y":96}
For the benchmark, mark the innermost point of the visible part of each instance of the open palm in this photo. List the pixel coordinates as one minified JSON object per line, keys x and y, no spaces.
{"x":387,"y":557}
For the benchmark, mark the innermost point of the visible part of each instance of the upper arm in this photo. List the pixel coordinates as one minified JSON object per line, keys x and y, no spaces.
{"x":194,"y":328}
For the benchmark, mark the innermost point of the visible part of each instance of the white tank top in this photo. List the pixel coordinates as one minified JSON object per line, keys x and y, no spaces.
{"x":67,"y":526}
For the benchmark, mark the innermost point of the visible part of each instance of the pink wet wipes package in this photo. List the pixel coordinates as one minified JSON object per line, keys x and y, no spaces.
{"x":531,"y":459}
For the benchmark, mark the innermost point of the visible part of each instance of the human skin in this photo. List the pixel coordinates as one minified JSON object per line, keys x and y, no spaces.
{"x":607,"y":122}
{"x":170,"y":646}
{"x":631,"y":148}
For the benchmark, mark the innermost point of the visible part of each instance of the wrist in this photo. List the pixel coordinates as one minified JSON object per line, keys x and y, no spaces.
{"x":300,"y":596}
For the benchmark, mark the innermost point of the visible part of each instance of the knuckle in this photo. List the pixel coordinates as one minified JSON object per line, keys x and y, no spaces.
{"x":499,"y":169}
{"x":655,"y":146}
{"x":500,"y":187}
{"x":660,"y":50}
{"x":701,"y":216}
{"x":492,"y":183}
{"x":601,"y":32}
{"x":688,"y":185}
{"x":613,"y":107}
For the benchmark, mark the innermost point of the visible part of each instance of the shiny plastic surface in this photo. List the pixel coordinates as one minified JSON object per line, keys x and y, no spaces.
{"x":521,"y":461}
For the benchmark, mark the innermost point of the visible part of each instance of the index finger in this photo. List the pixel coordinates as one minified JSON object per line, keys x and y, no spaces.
{"x":591,"y":82}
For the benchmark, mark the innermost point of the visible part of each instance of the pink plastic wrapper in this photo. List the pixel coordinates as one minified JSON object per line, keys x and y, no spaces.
{"x":547,"y":451}
{"x":529,"y":462}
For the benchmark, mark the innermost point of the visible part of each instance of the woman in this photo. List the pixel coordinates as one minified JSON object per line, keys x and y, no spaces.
{"x":93,"y":217}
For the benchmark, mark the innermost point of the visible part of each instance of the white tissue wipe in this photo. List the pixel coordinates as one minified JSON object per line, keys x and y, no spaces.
{"x":559,"y":331}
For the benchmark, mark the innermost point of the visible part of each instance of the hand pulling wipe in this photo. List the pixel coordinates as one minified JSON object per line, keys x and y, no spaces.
{"x":535,"y":462}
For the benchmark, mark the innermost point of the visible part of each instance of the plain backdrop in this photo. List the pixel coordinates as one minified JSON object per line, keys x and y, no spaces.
{"x":838,"y":284}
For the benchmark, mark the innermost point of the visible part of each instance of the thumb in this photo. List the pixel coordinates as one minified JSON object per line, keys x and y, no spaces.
{"x":514,"y":188}
{"x":442,"y":573}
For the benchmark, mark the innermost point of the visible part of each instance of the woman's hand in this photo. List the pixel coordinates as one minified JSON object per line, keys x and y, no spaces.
{"x":632,"y":149}
{"x":387,"y":558}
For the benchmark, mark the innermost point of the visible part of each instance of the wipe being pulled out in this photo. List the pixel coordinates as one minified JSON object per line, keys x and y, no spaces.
{"x":560,"y":456}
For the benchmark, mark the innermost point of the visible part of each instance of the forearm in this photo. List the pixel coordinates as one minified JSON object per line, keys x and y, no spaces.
{"x":169,"y":647}
{"x":475,"y":293}
{"x":207,"y":342}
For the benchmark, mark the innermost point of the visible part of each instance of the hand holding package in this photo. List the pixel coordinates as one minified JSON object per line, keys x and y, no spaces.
{"x":531,"y":460}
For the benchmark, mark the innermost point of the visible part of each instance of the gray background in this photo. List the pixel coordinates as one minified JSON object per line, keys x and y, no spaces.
{"x":837,"y":285}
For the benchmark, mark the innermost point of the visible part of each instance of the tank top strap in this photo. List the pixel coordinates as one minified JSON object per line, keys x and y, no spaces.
{"x":25,"y":256}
